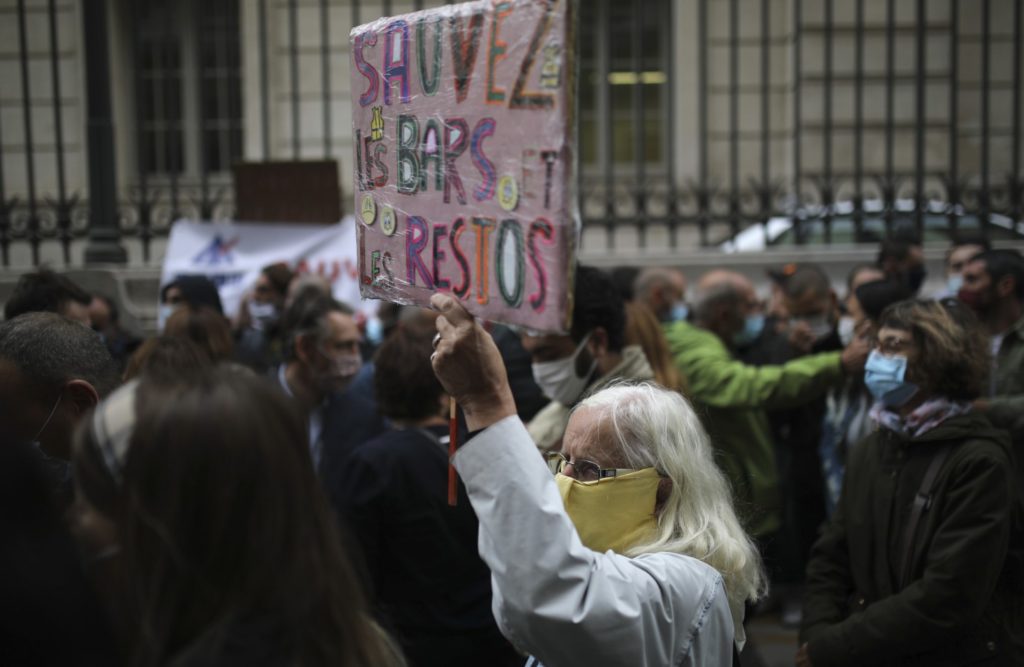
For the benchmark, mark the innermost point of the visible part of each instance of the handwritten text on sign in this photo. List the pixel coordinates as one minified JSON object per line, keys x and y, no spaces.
{"x":464,"y":158}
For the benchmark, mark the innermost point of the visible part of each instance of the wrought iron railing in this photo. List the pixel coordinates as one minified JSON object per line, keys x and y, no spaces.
{"x":832,"y":200}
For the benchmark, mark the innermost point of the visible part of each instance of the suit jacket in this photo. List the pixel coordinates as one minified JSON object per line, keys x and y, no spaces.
{"x":349,"y":421}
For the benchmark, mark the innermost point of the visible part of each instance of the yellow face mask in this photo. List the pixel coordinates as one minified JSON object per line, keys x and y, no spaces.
{"x":614,"y":513}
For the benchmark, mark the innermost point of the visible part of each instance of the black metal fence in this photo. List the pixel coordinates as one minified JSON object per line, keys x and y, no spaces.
{"x":187,"y":120}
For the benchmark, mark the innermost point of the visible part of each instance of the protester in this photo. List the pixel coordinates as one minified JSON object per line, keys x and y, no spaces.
{"x":166,"y":357}
{"x":306,"y":285}
{"x":591,"y":356}
{"x":902,"y":259}
{"x":623,"y":278}
{"x":205,"y":327}
{"x":257,"y":326}
{"x":851,"y":317}
{"x":810,"y":326}
{"x":913,"y":567}
{"x":194,"y":291}
{"x":964,"y":248}
{"x":732,"y":397}
{"x":643,"y":329}
{"x":847,"y":420}
{"x":429,"y":584}
{"x":663,"y":290}
{"x":49,"y":292}
{"x":49,"y":614}
{"x":322,"y":358}
{"x":105,"y":318}
{"x":53,"y":371}
{"x":226,"y":550}
{"x":626,"y":594}
{"x":994,"y":288}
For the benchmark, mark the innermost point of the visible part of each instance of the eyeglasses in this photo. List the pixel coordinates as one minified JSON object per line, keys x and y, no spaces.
{"x":584,"y":470}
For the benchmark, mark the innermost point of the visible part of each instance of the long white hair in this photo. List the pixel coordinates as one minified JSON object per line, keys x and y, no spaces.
{"x":655,"y":427}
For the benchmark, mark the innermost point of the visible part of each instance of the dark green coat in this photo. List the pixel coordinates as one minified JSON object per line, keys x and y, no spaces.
{"x":963,"y":601}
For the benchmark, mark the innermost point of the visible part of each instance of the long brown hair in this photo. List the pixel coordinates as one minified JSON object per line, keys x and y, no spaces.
{"x":222,"y":520}
{"x":205,"y":327}
{"x":643,"y":329}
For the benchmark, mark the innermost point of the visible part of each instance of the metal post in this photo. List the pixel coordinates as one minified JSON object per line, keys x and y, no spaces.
{"x":734,"y":117}
{"x":796,"y":119}
{"x":34,"y":235}
{"x":670,"y":127}
{"x":828,"y":193}
{"x":293,"y":48}
{"x":986,"y":35}
{"x":265,"y":81}
{"x":325,"y":71}
{"x":63,"y":209}
{"x":704,"y":188}
{"x":889,"y":189}
{"x":766,"y":142}
{"x":919,"y":197}
{"x":1015,"y":189}
{"x":858,"y":138}
{"x":639,"y":124}
{"x":104,"y":245}
{"x":953,"y":178}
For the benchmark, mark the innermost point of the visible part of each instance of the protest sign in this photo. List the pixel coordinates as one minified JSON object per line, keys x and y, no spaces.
{"x":232,"y":256}
{"x":464,"y":128}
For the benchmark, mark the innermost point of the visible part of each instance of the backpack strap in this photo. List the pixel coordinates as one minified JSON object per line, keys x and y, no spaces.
{"x":922,"y":503}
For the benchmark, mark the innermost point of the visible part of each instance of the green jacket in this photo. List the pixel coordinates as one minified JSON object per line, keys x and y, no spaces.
{"x":962,"y":602}
{"x":1007,"y":404}
{"x":732,"y":398}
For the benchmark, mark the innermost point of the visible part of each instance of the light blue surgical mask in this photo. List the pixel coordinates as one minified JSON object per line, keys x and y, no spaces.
{"x":680,"y":311}
{"x":884,"y":377}
{"x":954,"y":283}
{"x":752,"y":328}
{"x":375,"y":331}
{"x":163,"y":314}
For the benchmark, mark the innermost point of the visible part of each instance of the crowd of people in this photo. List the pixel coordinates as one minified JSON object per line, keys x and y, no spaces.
{"x":272,"y":489}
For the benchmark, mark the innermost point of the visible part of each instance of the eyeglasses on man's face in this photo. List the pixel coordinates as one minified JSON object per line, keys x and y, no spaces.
{"x":583,"y":470}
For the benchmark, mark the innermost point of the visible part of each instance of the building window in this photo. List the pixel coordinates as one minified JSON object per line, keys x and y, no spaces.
{"x":188,"y":103}
{"x":221,"y":72}
{"x":624,"y":83}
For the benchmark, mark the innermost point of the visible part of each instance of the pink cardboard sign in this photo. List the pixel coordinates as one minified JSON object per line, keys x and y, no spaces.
{"x":463,"y":118}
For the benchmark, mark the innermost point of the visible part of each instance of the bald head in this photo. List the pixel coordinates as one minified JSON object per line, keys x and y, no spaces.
{"x":660,"y":289}
{"x":723,"y":301}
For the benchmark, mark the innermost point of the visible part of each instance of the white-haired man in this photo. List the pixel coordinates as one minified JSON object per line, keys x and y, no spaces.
{"x":577,"y":583}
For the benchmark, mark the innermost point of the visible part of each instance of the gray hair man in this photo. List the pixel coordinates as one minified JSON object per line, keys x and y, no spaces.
{"x":53,"y":371}
{"x":663,"y":290}
{"x":733,"y":397}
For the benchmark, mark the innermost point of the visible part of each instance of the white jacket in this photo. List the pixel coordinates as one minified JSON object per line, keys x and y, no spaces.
{"x":568,"y":605}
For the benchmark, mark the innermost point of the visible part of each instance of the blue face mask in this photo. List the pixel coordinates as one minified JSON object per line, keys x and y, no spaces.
{"x":752,"y":328}
{"x":884,"y":377}
{"x":374,"y":331}
{"x":954,"y":283}
{"x":680,"y":311}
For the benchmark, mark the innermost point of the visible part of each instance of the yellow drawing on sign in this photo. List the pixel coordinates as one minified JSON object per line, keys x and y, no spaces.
{"x":388,"y":222}
{"x":368,"y":210}
{"x":377,"y":124}
{"x":508,"y":193}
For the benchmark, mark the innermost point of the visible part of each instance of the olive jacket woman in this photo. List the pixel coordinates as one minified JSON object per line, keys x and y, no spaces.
{"x":950,"y":594}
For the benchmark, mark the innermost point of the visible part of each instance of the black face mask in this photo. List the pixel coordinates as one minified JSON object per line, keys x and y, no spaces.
{"x":916,"y":276}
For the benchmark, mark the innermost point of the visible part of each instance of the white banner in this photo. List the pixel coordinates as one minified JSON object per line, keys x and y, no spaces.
{"x":232,"y":255}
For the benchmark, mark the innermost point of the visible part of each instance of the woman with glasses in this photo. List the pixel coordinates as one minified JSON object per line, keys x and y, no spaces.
{"x":632,"y":555}
{"x":920,"y":563}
